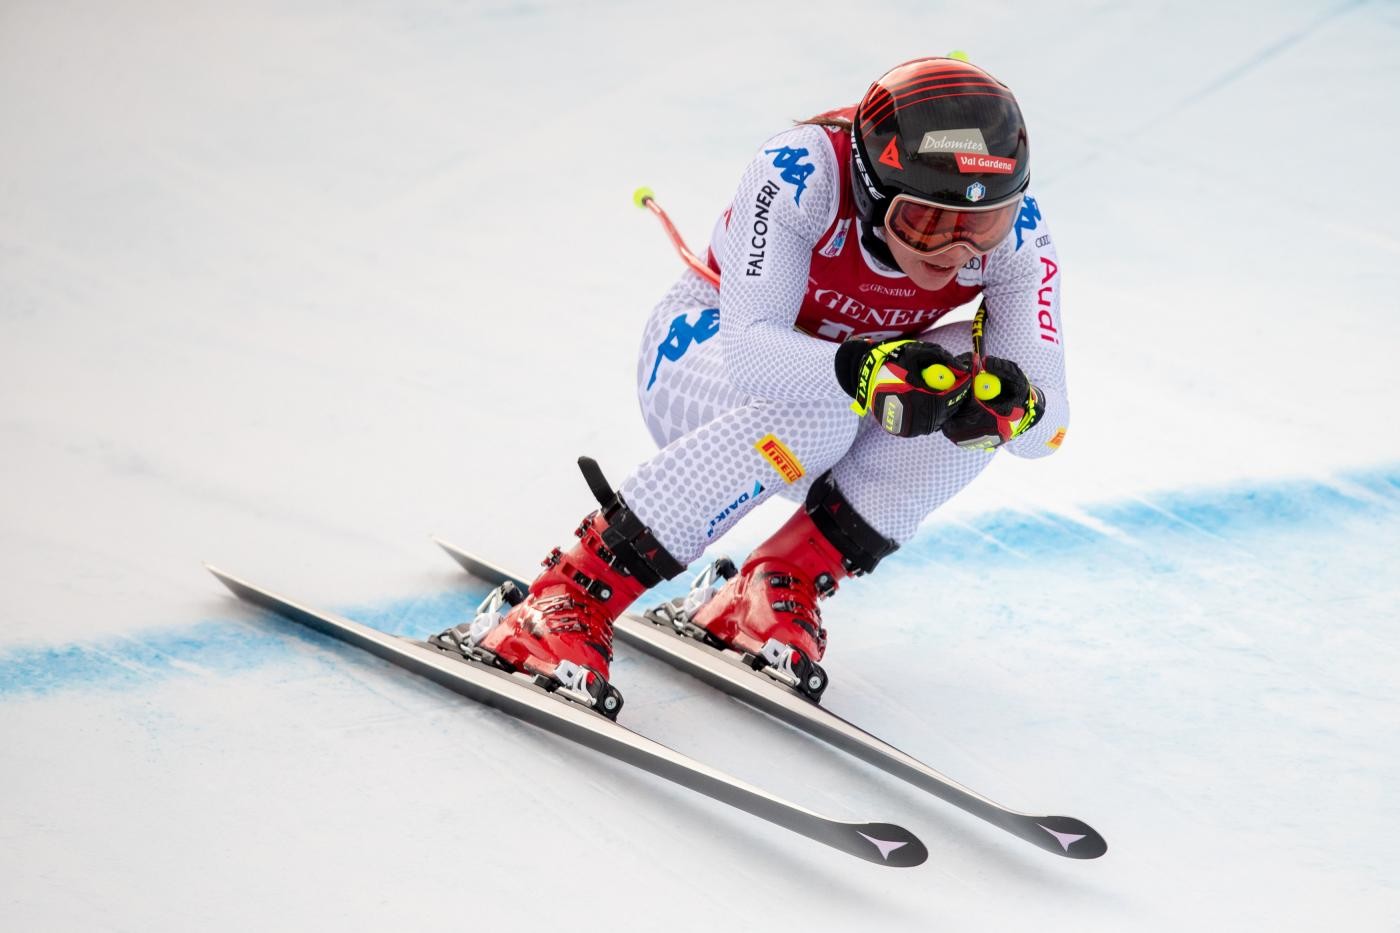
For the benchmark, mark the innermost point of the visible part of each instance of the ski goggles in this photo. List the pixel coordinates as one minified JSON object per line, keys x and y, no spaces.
{"x":931,"y":228}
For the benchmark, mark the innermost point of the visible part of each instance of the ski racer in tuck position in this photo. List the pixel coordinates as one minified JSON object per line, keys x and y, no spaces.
{"x":817,"y":370}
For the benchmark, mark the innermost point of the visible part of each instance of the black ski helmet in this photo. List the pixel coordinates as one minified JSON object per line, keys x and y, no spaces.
{"x":939,"y":129}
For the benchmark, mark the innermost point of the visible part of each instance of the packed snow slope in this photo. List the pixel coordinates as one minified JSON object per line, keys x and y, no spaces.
{"x":289,"y":286}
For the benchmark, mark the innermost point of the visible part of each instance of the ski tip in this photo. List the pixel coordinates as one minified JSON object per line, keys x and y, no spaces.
{"x":886,"y":844}
{"x":237,"y":587}
{"x":452,"y":550}
{"x":482,"y":570}
{"x":1065,"y":835}
{"x":463,"y":559}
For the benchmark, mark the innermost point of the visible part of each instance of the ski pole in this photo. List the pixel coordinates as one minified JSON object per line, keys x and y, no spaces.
{"x":985,"y":386}
{"x":646,"y":198}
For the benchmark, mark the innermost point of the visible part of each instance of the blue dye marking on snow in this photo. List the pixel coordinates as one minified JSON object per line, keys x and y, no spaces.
{"x":1150,"y":523}
{"x":1145,"y":535}
{"x":210,"y":647}
{"x":130,"y":661}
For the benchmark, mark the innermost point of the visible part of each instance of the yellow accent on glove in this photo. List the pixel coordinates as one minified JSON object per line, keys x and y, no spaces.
{"x":870,"y":374}
{"x":1029,"y":417}
{"x":986,"y":386}
{"x":939,"y":377}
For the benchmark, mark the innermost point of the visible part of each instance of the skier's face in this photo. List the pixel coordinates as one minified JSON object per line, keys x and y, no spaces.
{"x":930,"y":271}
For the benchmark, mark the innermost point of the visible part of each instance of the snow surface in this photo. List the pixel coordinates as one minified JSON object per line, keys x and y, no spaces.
{"x":288,"y":286}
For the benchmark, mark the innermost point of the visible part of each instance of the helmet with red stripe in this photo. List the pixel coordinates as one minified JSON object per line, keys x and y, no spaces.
{"x":941,"y":131}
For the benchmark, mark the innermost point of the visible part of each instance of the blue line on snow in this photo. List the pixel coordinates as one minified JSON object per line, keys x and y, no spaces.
{"x":1146,"y":533}
{"x":221,"y":646}
{"x":1229,"y":513}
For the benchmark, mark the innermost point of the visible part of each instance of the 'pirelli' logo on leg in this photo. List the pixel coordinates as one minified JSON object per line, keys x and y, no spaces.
{"x":783,"y":460}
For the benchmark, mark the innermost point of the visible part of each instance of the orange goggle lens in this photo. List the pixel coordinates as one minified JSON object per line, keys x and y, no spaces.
{"x":930,"y":228}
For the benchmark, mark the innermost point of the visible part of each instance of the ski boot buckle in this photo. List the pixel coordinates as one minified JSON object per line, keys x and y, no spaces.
{"x":584,"y":687}
{"x":787,"y":665}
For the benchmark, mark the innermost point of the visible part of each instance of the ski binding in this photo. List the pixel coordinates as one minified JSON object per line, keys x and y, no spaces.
{"x":567,"y":680}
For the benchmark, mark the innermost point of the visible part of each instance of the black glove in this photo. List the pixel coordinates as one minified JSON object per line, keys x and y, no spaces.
{"x":911,"y":386}
{"x":1002,"y":405}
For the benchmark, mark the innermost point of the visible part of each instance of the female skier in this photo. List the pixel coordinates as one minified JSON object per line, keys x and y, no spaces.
{"x":849,"y":237}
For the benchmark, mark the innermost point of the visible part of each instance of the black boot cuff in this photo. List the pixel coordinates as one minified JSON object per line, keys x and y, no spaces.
{"x":637,"y":549}
{"x":861,"y":546}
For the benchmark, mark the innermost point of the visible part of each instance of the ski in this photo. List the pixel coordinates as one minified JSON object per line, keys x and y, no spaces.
{"x":518,"y":696}
{"x":726,"y":670}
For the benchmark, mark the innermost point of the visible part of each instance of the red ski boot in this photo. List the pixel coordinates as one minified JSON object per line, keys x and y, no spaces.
{"x":769,"y":611}
{"x":561,"y":630}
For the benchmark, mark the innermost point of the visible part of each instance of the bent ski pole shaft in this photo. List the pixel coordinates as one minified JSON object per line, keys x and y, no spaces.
{"x":645,"y":197}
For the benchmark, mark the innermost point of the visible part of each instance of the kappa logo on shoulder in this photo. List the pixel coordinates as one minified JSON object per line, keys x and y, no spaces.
{"x":794,"y":171}
{"x":1027,"y":220}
